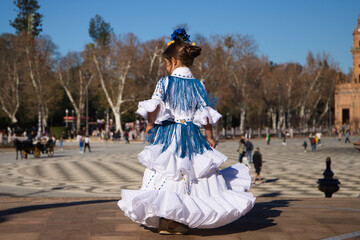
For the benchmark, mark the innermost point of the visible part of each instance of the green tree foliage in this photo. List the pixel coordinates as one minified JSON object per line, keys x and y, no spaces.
{"x":99,"y":30}
{"x":27,"y":19}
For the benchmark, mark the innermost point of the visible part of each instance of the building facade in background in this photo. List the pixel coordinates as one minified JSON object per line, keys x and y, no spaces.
{"x":347,"y":95}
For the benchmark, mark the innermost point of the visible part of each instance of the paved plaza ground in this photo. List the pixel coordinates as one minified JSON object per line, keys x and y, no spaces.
{"x":288,"y":171}
{"x":73,"y":195}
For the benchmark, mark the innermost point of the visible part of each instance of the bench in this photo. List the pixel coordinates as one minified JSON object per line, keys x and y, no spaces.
{"x":357,"y":145}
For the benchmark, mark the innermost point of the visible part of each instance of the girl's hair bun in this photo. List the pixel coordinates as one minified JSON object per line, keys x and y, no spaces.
{"x":193,"y":51}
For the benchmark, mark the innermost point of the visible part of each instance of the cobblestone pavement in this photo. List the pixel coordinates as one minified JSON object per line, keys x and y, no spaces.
{"x":287,"y":171}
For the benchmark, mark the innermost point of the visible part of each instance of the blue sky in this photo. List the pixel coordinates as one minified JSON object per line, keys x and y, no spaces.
{"x":285,"y":30}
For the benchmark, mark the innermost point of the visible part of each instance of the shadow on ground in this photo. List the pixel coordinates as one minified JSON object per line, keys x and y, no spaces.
{"x":4,"y":214}
{"x":260,"y":217}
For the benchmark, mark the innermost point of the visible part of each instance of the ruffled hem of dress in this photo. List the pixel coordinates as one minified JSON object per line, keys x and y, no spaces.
{"x":173,"y":166}
{"x":216,"y":210}
{"x":202,"y":115}
{"x":150,"y":105}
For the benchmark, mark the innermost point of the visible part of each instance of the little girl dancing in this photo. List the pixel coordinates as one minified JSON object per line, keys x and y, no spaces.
{"x":182,"y":186}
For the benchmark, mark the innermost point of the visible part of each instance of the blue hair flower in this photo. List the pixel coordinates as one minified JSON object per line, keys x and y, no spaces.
{"x":180,"y":33}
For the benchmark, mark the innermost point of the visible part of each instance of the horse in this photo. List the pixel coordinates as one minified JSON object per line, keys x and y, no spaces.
{"x":19,"y":148}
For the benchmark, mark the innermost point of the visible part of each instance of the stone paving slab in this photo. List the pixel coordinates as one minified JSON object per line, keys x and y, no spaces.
{"x":101,"y":219}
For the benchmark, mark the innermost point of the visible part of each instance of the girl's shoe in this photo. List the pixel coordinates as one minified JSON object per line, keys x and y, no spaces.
{"x":170,"y":227}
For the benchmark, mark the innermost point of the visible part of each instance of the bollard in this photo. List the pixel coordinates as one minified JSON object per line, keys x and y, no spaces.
{"x":328,"y":184}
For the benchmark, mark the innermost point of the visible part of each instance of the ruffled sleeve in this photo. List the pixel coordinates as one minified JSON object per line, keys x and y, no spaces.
{"x":205,"y":111}
{"x":202,"y":115}
{"x":156,"y":100}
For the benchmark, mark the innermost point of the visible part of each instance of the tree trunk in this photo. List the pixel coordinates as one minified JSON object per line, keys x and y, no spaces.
{"x":44,"y":117}
{"x":302,"y":116}
{"x":273,"y":117}
{"x":242,"y":118}
{"x":114,"y":105}
{"x":117,"y":116}
{"x":288,"y":122}
{"x":280,"y":123}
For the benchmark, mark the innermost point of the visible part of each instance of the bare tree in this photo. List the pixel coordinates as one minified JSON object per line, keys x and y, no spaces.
{"x":10,"y":76}
{"x":113,"y":66}
{"x":150,"y":66}
{"x":39,"y":65}
{"x":311,"y":78}
{"x":75,"y":82}
{"x":245,"y":70}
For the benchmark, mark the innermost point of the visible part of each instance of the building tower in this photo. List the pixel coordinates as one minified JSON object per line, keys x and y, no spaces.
{"x":355,"y":51}
{"x":347,"y":95}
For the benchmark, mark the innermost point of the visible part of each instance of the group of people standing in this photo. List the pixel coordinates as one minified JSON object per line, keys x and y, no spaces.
{"x":83,"y":141}
{"x":343,"y":132}
{"x":315,"y":140}
{"x":245,"y":157}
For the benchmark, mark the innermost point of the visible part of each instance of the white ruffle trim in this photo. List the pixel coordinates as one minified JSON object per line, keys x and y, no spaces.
{"x":201,"y":209}
{"x":202,"y":115}
{"x":171,"y":165}
{"x":150,"y":105}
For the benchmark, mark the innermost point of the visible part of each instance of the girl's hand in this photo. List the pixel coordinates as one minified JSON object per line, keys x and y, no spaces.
{"x":211,"y":142}
{"x":149,"y":127}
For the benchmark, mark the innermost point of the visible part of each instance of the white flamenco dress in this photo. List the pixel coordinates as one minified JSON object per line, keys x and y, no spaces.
{"x":182,"y":181}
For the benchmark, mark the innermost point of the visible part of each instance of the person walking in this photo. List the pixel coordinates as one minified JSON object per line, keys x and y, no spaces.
{"x":257,"y":159}
{"x":61,"y":140}
{"x":244,"y":160}
{"x":283,"y":134}
{"x":268,"y":138}
{"x":87,"y":143}
{"x":80,"y":140}
{"x":249,"y":147}
{"x":241,"y":148}
{"x":313,"y":143}
{"x":305,"y":146}
{"x":347,"y":137}
{"x":318,"y":136}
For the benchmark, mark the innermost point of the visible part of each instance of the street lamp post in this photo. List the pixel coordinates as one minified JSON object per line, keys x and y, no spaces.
{"x":107,"y":121}
{"x":66,"y":119}
{"x":39,"y":122}
{"x":330,"y":112}
{"x":87,"y":78}
{"x":278,"y":125}
{"x":72,"y":119}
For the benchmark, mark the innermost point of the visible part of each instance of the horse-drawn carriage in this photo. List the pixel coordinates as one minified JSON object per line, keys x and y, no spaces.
{"x":27,"y":147}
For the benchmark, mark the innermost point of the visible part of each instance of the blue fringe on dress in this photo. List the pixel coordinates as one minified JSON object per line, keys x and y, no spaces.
{"x":191,"y":140}
{"x":187,"y":95}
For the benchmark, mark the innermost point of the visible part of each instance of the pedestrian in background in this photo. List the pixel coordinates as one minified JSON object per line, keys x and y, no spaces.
{"x":347,"y":135}
{"x":257,"y":159}
{"x":249,"y":147}
{"x":283,"y":134}
{"x":61,"y":140}
{"x":318,"y":135}
{"x":87,"y":143}
{"x":305,"y":146}
{"x":80,"y":140}
{"x":313,"y":142}
{"x":245,"y":160}
{"x":241,"y":148}
{"x":268,"y":138}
